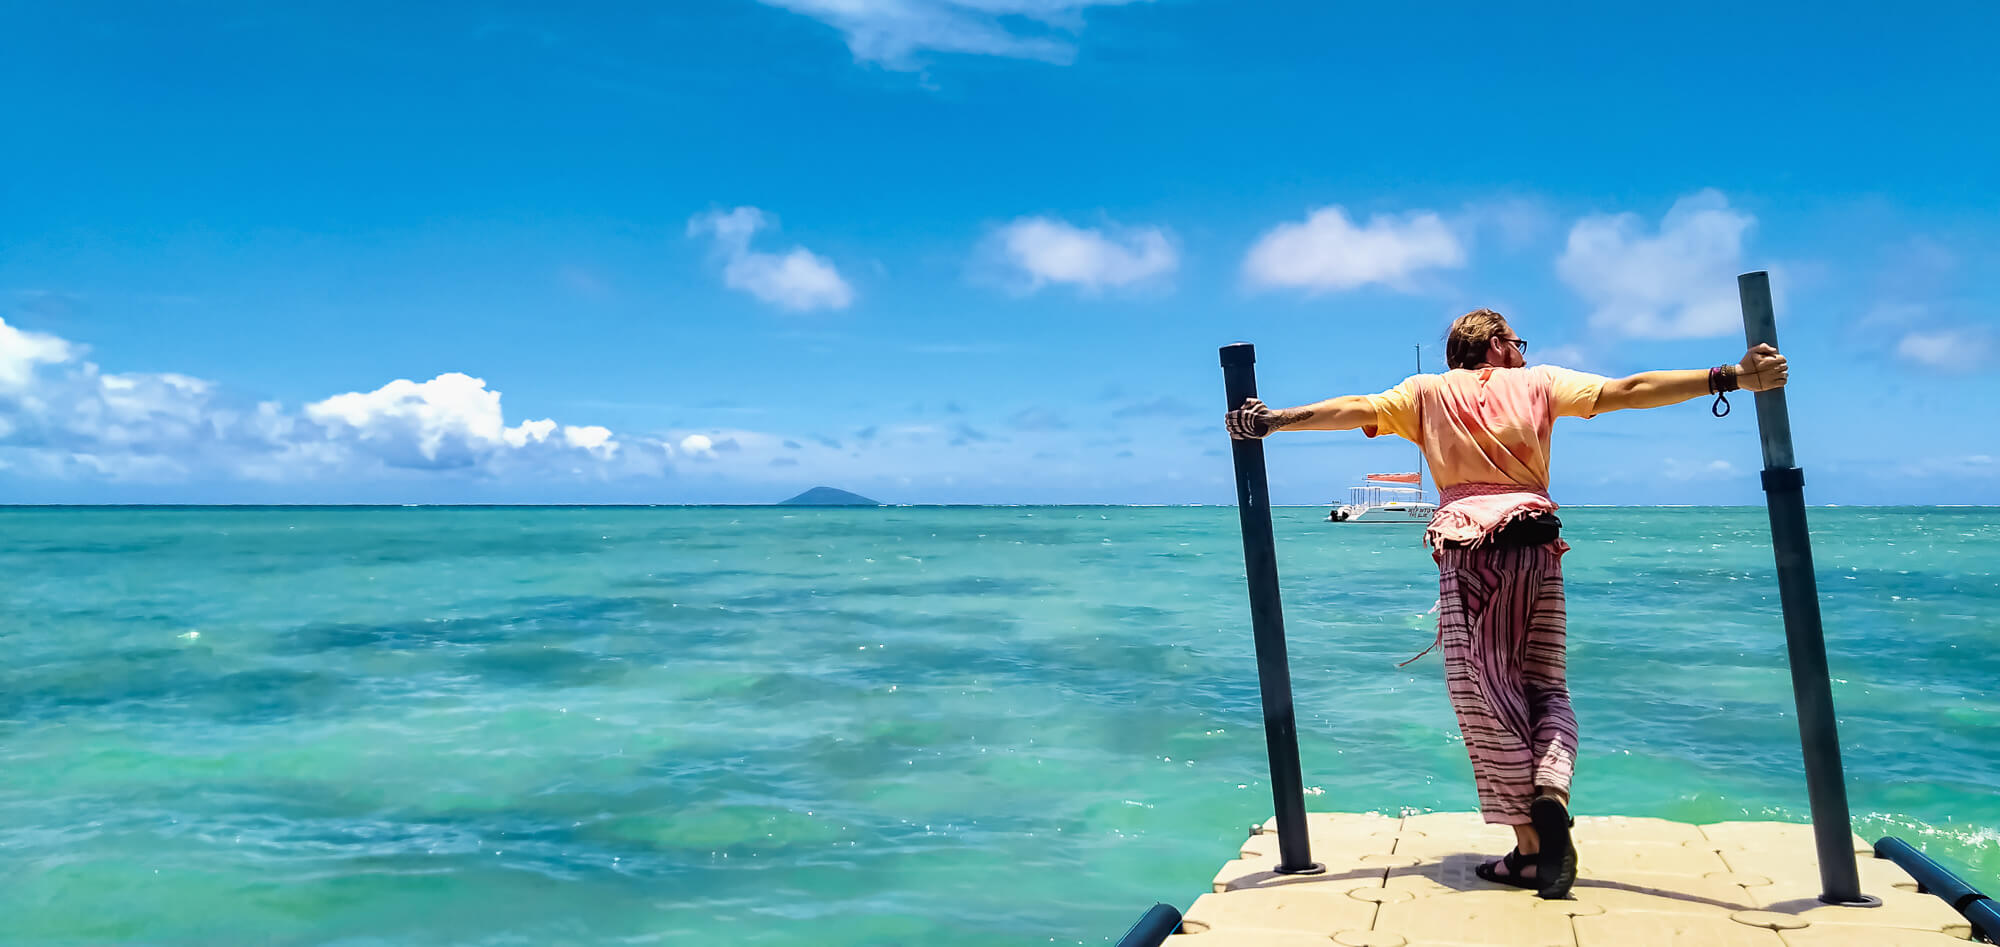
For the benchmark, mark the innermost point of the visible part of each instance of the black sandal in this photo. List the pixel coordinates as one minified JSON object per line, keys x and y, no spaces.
{"x":1514,"y":862}
{"x":1557,"y":865}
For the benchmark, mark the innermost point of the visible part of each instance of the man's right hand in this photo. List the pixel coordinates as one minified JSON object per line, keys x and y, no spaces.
{"x":1252,"y":420}
{"x":1762,"y":369}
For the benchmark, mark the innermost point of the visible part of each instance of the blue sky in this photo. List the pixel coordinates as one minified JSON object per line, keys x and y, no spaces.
{"x":938,"y":251}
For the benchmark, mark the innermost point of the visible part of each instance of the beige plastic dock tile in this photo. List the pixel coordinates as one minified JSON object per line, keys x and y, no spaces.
{"x":1641,"y":882}
{"x":1622,"y":828}
{"x":1836,"y":935}
{"x":1899,"y":909}
{"x":1671,"y":930}
{"x":1768,"y":836}
{"x":1801,"y":866}
{"x":1245,"y":937}
{"x":1483,"y":918}
{"x":1663,"y":894}
{"x":1369,"y":939}
{"x":1339,"y":823}
{"x":1279,"y":909}
{"x":1330,"y":845}
{"x":1465,"y":826}
{"x":1244,"y":873}
{"x":1442,"y":875}
{"x":1610,"y":859}
{"x":1439,"y":846}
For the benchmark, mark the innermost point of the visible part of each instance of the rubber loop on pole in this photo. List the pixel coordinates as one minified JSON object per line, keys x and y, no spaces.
{"x":1783,"y":478}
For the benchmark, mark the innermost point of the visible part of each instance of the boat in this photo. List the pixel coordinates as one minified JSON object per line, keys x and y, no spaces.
{"x":1389,"y":497}
{"x":1386,"y":498}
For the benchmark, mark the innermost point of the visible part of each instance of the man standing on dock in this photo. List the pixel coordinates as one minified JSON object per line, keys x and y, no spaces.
{"x":1485,"y":426}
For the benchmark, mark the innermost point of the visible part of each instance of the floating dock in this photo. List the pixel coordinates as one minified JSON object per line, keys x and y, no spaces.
{"x":1367,"y":880}
{"x":1408,"y":882}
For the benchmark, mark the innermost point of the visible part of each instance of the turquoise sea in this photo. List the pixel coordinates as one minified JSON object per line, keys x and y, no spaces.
{"x":997,"y":725}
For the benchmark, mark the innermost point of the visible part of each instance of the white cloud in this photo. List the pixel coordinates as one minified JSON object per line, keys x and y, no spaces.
{"x":798,"y":279}
{"x":1046,"y":251}
{"x":1568,"y":356}
{"x":697,"y":444}
{"x":891,"y":32}
{"x":1948,"y":349}
{"x":64,"y":418}
{"x":1327,"y":252}
{"x":1678,"y":469}
{"x":592,"y":438}
{"x":453,"y":420}
{"x":1514,"y":222}
{"x":21,"y":351}
{"x":1677,"y":283}
{"x":1969,"y":465}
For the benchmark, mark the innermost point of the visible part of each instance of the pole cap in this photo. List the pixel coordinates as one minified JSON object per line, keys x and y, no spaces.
{"x":1238,"y":353}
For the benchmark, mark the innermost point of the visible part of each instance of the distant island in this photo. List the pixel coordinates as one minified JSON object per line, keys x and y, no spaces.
{"x":828,"y":496}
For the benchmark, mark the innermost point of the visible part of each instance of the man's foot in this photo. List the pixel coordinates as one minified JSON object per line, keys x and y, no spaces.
{"x":1557,"y":859}
{"x":1513,"y":869}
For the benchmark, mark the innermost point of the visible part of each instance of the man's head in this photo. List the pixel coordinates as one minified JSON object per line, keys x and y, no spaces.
{"x":1482,"y":338}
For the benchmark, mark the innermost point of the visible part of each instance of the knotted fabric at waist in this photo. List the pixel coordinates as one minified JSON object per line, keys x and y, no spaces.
{"x":1469,"y":514}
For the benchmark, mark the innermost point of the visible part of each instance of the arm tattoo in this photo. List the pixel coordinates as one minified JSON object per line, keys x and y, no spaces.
{"x":1290,"y":416}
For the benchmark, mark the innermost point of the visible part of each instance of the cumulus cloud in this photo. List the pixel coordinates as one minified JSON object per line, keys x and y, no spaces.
{"x":1954,"y":350}
{"x":63,"y":417}
{"x":1677,"y":282}
{"x":21,"y":352}
{"x":892,"y":32}
{"x":797,"y":279}
{"x":1043,"y":250}
{"x":1327,"y":252}
{"x":453,"y":420}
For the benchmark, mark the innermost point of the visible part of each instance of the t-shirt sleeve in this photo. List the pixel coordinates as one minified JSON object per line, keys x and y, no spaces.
{"x":1396,"y":412}
{"x":1573,"y":394}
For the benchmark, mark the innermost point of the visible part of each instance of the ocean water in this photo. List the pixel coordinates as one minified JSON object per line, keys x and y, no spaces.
{"x":883,"y":726}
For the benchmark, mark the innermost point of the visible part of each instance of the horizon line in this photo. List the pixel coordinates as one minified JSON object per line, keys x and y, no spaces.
{"x":878,"y":506}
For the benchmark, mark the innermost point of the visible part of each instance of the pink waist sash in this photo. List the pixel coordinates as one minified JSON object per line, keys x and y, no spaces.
{"x":1470,"y":513}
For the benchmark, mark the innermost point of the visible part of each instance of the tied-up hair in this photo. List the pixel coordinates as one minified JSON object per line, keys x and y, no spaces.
{"x":1471,"y":334}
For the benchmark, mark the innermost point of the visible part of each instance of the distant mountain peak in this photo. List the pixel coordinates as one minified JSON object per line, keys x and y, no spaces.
{"x":828,"y":496}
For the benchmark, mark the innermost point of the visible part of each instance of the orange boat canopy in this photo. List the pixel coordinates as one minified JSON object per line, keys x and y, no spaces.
{"x":1395,"y":478}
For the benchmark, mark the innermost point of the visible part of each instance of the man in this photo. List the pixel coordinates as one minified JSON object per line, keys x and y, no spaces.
{"x":1484,"y":426}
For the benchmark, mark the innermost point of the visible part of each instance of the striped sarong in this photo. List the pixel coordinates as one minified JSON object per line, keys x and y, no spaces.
{"x":1501,"y":624}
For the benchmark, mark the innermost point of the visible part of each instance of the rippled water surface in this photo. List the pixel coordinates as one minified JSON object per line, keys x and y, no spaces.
{"x":792,"y":726}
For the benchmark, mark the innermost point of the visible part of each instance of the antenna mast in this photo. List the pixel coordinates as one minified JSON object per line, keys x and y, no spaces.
{"x":1420,"y":450}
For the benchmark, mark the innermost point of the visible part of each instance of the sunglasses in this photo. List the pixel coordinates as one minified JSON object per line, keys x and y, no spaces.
{"x":1520,"y":345}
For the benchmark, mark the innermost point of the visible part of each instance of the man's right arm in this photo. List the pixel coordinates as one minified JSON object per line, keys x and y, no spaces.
{"x":1256,"y":419}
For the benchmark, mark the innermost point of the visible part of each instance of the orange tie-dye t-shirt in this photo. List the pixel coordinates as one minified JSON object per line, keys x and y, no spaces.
{"x":1486,"y":425}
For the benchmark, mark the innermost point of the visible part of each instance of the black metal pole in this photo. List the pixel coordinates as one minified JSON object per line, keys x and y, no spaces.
{"x":1784,"y":494}
{"x":1267,"y":621}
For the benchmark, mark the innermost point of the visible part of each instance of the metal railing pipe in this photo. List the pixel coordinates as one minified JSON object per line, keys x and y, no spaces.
{"x":1153,"y":927}
{"x":1267,"y":622}
{"x":1805,"y":639}
{"x":1931,"y":877}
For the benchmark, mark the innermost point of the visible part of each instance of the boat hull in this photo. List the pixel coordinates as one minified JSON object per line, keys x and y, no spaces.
{"x":1413,"y":514}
